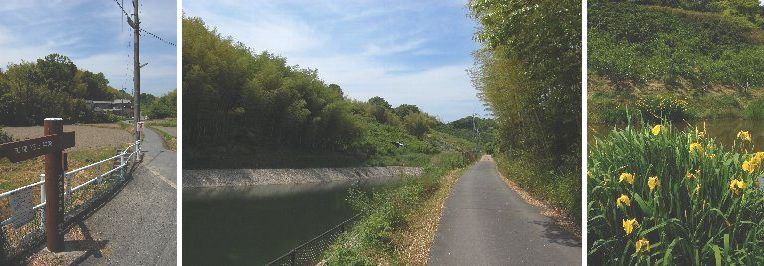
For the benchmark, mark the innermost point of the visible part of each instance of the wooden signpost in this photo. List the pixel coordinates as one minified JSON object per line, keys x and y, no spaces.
{"x":52,"y":146}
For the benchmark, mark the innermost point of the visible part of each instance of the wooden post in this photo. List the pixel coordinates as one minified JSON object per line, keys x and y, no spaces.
{"x":54,"y":189}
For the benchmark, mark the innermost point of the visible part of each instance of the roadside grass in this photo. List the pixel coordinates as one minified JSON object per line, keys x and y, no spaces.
{"x":167,"y":122}
{"x":168,"y":141}
{"x":386,"y":214}
{"x":559,"y":188}
{"x":704,"y":204}
{"x":16,"y":175}
{"x":413,"y":241}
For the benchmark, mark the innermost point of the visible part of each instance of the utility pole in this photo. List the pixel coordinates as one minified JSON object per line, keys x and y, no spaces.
{"x":135,"y":24}
{"x":477,"y":132}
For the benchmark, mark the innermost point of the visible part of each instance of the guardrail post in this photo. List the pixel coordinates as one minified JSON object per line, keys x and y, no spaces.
{"x":115,"y":164}
{"x":42,"y":200}
{"x":68,"y":178}
{"x":54,"y":192}
{"x":122,"y":164}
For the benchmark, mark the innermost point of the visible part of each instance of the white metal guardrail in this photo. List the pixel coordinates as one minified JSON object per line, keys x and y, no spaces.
{"x":124,"y":158}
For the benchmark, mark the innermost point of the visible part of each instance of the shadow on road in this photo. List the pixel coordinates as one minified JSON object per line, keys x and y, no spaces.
{"x":555,"y":234}
{"x":91,"y":246}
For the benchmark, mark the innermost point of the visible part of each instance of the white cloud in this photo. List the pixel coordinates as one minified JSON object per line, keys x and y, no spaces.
{"x":94,"y":35}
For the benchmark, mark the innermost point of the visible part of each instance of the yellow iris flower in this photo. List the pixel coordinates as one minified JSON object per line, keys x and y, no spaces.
{"x":628,"y":225}
{"x":744,"y":135}
{"x":657,"y":129}
{"x":748,"y":167}
{"x":623,"y":200}
{"x":652,"y":182}
{"x":696,"y":147}
{"x":642,"y":244}
{"x":626,"y":177}
{"x":737,"y":185}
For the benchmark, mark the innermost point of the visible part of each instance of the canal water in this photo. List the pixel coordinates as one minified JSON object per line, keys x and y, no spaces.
{"x":254,"y":225}
{"x":722,"y":130}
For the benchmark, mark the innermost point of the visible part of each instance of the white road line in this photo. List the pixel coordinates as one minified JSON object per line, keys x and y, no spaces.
{"x":161,"y":177}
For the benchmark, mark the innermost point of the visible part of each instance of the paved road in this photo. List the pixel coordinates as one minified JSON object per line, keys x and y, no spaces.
{"x":486,"y":223}
{"x":138,"y":224}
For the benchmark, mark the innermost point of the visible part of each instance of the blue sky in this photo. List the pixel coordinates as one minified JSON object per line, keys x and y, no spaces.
{"x":93,"y":33}
{"x":414,"y":52}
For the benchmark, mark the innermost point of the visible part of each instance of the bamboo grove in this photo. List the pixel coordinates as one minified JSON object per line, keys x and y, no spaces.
{"x":239,"y":98}
{"x":528,"y":72}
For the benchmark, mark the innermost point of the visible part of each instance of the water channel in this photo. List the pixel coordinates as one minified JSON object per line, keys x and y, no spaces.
{"x":254,"y":225}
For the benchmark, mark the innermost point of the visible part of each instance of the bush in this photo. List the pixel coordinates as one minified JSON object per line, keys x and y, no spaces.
{"x":561,"y":187}
{"x":654,"y":108}
{"x":755,"y":109}
{"x":704,"y":208}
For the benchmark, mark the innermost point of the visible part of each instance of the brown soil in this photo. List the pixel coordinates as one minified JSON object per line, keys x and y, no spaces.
{"x":87,"y":136}
{"x":412,"y":243}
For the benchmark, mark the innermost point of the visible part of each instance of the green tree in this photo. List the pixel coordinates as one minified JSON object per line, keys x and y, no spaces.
{"x":405,"y":109}
{"x":418,"y":124}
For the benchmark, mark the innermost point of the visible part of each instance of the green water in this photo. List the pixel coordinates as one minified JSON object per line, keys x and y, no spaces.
{"x":254,"y":225}
{"x":723,"y":130}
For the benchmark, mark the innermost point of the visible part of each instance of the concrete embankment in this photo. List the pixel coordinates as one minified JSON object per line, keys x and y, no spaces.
{"x":256,"y":177}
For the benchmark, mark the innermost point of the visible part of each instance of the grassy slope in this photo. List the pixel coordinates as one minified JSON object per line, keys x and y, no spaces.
{"x":377,"y":140}
{"x":666,"y":56}
{"x":398,"y":223}
{"x":394,"y":227}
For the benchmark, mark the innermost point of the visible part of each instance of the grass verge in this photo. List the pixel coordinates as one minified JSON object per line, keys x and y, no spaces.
{"x":168,"y":141}
{"x":167,"y":122}
{"x":391,"y":229}
{"x":561,"y":192}
{"x":658,"y":195}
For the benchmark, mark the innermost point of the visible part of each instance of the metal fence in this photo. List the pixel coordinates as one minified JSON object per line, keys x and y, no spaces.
{"x":106,"y":176}
{"x":309,"y":253}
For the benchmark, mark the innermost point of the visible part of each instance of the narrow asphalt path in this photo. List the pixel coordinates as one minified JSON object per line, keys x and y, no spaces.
{"x":486,"y":223}
{"x":138,"y":225}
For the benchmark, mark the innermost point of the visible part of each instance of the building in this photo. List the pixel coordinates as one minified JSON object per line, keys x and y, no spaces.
{"x":123,"y":107}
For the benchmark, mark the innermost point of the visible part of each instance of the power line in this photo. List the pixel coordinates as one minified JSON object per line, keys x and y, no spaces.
{"x":157,"y":37}
{"x":122,"y":8}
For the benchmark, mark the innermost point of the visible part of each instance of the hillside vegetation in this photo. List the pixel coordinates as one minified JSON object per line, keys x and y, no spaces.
{"x":683,"y":60}
{"x":253,"y":110}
